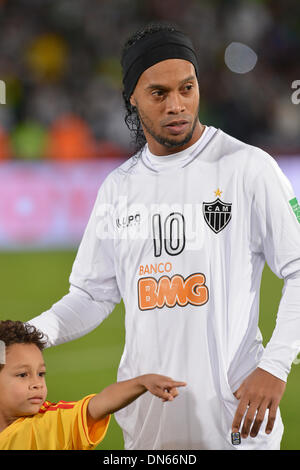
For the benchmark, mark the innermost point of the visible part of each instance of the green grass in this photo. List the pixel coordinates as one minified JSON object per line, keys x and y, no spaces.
{"x":32,"y":282}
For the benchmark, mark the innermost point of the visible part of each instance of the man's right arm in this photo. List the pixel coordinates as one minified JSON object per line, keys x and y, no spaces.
{"x":75,"y":315}
{"x":94,"y":290}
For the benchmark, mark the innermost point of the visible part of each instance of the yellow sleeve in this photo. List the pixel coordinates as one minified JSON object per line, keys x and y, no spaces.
{"x":83,"y":436}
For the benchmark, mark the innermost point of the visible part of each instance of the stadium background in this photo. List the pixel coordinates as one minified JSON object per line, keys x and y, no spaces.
{"x":62,"y":131}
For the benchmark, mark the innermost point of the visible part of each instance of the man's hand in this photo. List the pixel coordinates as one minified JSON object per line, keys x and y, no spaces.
{"x":259,"y":391}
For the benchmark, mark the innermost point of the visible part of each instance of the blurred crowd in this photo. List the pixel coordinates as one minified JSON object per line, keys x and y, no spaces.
{"x":60,"y":61}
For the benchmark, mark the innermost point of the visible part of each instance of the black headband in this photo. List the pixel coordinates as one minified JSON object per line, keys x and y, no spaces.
{"x":154,"y":48}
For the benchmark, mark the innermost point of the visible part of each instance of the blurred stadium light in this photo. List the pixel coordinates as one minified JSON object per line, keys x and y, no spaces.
{"x":64,"y":58}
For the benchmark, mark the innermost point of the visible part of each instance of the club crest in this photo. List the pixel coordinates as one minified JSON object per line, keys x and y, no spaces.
{"x":217,"y":214}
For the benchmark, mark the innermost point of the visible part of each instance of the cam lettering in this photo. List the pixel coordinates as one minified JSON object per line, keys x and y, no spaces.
{"x":217,"y":209}
{"x":172,"y":291}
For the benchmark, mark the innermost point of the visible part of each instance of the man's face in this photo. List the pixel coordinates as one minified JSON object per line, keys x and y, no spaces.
{"x":22,"y":381}
{"x":167,"y":100}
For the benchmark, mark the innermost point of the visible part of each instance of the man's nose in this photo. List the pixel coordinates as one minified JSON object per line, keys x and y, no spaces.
{"x":175,"y":104}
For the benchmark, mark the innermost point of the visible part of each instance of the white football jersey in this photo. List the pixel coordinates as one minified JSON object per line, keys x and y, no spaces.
{"x":183,"y":239}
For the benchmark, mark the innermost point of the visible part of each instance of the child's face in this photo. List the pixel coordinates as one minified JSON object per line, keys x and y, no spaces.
{"x":22,"y":381}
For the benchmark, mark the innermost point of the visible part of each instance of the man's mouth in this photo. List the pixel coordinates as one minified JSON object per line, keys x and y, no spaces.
{"x":177,"y":127}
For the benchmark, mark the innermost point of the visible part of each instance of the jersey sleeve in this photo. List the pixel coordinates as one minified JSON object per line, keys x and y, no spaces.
{"x":276,"y":234}
{"x":94,"y":268}
{"x":276,"y":229}
{"x":94,"y":290}
{"x":73,"y":316}
{"x":84,"y":437}
{"x":64,"y":426}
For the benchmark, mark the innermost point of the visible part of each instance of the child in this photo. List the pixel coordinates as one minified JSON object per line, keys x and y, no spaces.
{"x":29,"y":422}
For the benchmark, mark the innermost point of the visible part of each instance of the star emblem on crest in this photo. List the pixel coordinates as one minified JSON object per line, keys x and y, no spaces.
{"x":218,"y":192}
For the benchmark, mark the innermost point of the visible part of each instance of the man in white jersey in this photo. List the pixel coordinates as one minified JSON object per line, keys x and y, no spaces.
{"x":181,"y":231}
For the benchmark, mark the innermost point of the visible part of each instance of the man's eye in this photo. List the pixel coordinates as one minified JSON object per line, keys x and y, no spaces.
{"x":188,"y":87}
{"x":23,"y":374}
{"x":42,"y":374}
{"x":158,"y":93}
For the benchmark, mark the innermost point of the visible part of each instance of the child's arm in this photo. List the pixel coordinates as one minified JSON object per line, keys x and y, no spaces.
{"x":120,"y":394}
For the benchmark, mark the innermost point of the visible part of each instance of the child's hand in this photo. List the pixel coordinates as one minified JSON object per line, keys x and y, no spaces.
{"x":120,"y":394}
{"x":161,"y":386}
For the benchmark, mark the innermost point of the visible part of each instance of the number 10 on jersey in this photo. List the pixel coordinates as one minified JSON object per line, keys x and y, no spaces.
{"x":168,"y":234}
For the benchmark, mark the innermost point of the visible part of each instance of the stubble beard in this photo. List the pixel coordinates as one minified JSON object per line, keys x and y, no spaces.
{"x":165,"y":141}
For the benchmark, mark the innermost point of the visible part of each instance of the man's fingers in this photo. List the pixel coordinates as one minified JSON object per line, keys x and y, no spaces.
{"x":271,"y":417}
{"x":249,"y":419}
{"x":259,"y":419}
{"x":239,"y":414}
{"x":259,"y":391}
{"x":254,"y":418}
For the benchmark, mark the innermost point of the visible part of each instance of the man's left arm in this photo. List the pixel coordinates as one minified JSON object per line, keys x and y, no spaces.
{"x":279,"y":233}
{"x":263,"y":389}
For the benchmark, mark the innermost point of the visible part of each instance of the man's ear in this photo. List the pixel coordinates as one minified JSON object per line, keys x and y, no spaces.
{"x":132,"y":101}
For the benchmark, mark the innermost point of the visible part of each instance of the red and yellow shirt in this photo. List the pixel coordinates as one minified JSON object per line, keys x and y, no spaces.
{"x":57,"y":426}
